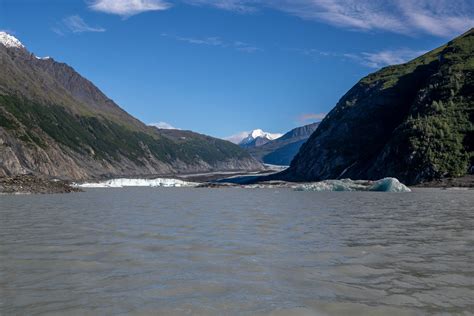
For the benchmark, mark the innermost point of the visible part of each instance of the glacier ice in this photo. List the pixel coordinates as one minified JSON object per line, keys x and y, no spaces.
{"x":382,"y":185}
{"x":389,"y":185}
{"x":121,"y":183}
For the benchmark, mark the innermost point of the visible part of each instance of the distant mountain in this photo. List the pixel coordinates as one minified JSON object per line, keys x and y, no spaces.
{"x":413,"y":121}
{"x":56,"y":123}
{"x":282,"y":150}
{"x":257,"y":138}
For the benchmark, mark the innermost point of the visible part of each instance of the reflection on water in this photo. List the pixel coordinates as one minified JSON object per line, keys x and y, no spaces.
{"x":235,"y":251}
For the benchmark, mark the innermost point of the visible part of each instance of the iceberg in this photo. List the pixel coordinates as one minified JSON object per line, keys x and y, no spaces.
{"x":389,"y":185}
{"x":121,"y":183}
{"x":382,"y":185}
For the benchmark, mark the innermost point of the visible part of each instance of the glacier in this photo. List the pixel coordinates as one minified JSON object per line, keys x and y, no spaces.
{"x":122,"y":183}
{"x":382,"y":185}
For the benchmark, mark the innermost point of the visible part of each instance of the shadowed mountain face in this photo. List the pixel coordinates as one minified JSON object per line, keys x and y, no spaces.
{"x":412,"y":121}
{"x":281,"y":151}
{"x":54,"y":122}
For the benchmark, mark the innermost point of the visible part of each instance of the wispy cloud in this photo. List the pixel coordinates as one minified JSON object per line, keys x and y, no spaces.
{"x":58,"y":30}
{"x":385,"y":57}
{"x":217,"y":42}
{"x":313,"y":52}
{"x":210,"y":41}
{"x":439,"y":17}
{"x":75,"y":24}
{"x":242,"y":6}
{"x":244,"y":47}
{"x":442,"y":18}
{"x":368,"y":59}
{"x":238,"y":137}
{"x":162,"y":125}
{"x":311,"y":117}
{"x":127,"y":8}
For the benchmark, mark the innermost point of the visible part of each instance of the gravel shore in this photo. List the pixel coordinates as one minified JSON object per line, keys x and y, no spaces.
{"x":28,"y":184}
{"x":461,"y":182}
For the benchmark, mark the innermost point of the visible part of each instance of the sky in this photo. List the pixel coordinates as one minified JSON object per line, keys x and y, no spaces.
{"x":226,"y":67}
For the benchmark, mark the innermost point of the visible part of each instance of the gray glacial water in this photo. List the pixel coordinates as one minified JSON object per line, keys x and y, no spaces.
{"x":183,"y":251}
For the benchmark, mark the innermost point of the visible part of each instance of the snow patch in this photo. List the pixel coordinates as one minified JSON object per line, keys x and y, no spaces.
{"x":256,"y":133}
{"x":122,"y":183}
{"x":383,"y":185}
{"x":163,"y":125}
{"x":10,"y":41}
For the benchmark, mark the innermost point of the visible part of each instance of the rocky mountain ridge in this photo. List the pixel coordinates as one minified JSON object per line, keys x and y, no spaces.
{"x":55,"y":123}
{"x":282,"y":150}
{"x":257,"y":138}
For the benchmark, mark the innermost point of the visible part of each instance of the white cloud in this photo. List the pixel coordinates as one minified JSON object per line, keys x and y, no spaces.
{"x":76,"y":24}
{"x":385,"y":57}
{"x":217,"y":42}
{"x":237,"y":138}
{"x":127,"y":8}
{"x":369,"y":59}
{"x":163,"y":125}
{"x":442,"y":18}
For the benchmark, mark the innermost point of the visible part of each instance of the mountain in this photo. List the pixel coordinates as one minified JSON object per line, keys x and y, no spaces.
{"x":257,"y":138}
{"x":282,"y":150}
{"x":413,"y":121}
{"x":56,"y":123}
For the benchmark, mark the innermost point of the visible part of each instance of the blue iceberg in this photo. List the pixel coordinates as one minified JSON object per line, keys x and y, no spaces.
{"x":382,"y":185}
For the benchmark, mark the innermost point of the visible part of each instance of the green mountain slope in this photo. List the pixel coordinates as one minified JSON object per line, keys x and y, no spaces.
{"x":54,"y":122}
{"x":412,"y":121}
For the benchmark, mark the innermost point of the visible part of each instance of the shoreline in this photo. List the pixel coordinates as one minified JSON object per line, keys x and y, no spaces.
{"x":30,"y":184}
{"x":466,"y":182}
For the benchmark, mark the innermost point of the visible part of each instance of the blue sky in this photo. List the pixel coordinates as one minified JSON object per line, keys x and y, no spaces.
{"x":221,"y":67}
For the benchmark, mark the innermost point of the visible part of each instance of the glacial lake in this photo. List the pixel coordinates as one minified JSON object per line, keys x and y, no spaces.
{"x":189,"y":251}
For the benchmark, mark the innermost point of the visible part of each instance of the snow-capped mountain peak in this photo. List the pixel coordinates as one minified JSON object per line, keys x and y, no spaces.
{"x":258,"y":134}
{"x":10,"y":41}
